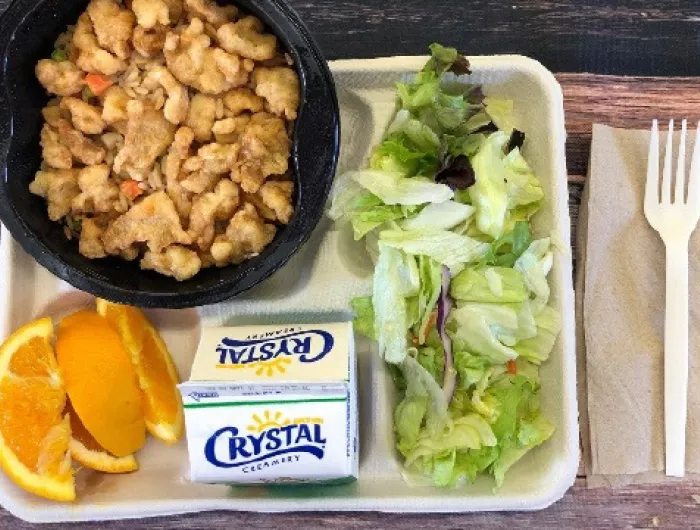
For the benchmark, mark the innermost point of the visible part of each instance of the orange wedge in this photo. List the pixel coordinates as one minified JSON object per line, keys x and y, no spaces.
{"x":154,"y":367}
{"x":34,"y":433}
{"x":101,"y":382}
{"x":86,"y":451}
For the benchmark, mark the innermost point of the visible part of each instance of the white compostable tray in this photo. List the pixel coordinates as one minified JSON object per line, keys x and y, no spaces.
{"x":317,"y":285}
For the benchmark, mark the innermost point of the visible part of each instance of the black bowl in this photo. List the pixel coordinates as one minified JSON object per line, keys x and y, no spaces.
{"x":27,"y":32}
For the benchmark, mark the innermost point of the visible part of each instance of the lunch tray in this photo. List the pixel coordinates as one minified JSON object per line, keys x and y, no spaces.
{"x":316,"y":285}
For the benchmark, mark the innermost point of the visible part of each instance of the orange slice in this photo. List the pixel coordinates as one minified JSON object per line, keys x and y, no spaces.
{"x":34,"y":433}
{"x":154,"y":366}
{"x":86,"y":451}
{"x":101,"y":382}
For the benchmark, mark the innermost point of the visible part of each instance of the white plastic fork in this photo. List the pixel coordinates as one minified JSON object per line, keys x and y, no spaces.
{"x":674,"y":221}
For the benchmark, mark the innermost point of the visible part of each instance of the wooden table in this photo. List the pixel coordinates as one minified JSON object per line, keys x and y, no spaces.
{"x":640,"y":39}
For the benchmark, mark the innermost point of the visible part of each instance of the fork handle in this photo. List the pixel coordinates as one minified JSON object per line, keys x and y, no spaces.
{"x":676,"y":357}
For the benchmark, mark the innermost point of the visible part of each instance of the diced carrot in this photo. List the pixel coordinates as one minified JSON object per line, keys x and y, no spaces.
{"x":511,"y":368}
{"x":98,"y":83}
{"x":130,"y":188}
{"x":431,"y":322}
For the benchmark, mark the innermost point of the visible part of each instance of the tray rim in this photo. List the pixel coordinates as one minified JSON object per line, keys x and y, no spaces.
{"x":535,"y":500}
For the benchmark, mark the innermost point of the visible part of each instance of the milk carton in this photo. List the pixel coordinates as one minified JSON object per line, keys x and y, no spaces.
{"x":267,"y":404}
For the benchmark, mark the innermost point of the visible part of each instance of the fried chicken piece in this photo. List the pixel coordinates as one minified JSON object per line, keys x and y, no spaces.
{"x":149,"y":42}
{"x":90,"y":244}
{"x":61,"y":78}
{"x":265,"y":149}
{"x":263,"y":209}
{"x":279,"y":87}
{"x":179,"y":151}
{"x":192,"y":164}
{"x":113,"y":26}
{"x":200,"y":181}
{"x":249,"y":233}
{"x":40,"y":185}
{"x":232,"y":67}
{"x":229,"y":198}
{"x":114,"y":105}
{"x":91,"y":57}
{"x":153,"y":220}
{"x":53,"y":151}
{"x":82,"y":148}
{"x":221,"y":251}
{"x":59,"y":187}
{"x":201,"y":116}
{"x":178,"y":102}
{"x":85,"y":117}
{"x":245,"y":38}
{"x":210,"y":12}
{"x":150,"y":13}
{"x":148,"y":135}
{"x":229,"y":130}
{"x":179,"y":262}
{"x":192,"y":61}
{"x":242,"y":99}
{"x":208,"y":208}
{"x":52,"y":113}
{"x":201,"y":227}
{"x":277,"y":195}
{"x":98,"y":192}
{"x":218,"y":158}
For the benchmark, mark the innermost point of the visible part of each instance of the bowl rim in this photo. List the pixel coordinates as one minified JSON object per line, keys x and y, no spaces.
{"x":286,"y":24}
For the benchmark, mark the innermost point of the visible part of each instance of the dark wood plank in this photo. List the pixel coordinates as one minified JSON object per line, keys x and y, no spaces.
{"x":635,"y":37}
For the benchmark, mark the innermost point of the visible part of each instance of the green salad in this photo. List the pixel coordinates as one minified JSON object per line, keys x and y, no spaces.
{"x":459,"y":303}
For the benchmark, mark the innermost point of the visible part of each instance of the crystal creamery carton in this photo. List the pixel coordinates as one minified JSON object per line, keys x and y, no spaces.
{"x":269,"y":404}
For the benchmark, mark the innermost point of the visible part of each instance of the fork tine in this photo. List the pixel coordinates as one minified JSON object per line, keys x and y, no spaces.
{"x":694,"y":178}
{"x":651,"y":195}
{"x":679,"y":193}
{"x":666,"y":177}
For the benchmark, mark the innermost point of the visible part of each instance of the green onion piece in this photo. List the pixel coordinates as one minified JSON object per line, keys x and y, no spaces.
{"x":59,"y":55}
{"x":87,"y":94}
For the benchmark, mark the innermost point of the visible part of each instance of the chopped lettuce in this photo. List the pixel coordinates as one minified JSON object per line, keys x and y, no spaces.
{"x":489,"y":284}
{"x":471,"y":368}
{"x":443,"y":246}
{"x":477,"y":327}
{"x":490,"y":192}
{"x":537,"y":348}
{"x":422,"y":136}
{"x":365,"y":221}
{"x":506,"y":250}
{"x":394,"y":188}
{"x":522,"y":184}
{"x":439,"y":216}
{"x":534,"y":264}
{"x":364,"y":316}
{"x":390,"y":308}
{"x":398,"y":154}
{"x":430,"y":273}
{"x":501,"y":113}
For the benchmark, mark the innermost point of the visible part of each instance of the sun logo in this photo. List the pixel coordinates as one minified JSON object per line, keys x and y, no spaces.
{"x":277,"y":419}
{"x":269,"y":368}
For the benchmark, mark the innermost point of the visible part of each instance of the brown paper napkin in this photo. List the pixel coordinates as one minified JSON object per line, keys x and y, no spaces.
{"x":621,"y":267}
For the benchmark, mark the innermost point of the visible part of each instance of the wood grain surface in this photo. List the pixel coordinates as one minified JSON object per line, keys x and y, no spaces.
{"x":634,"y":37}
{"x":619,"y":101}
